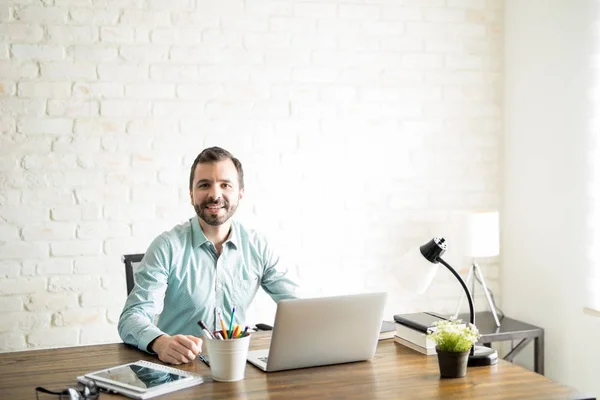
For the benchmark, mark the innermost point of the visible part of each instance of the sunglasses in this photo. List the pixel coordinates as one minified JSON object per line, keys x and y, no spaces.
{"x":89,"y":392}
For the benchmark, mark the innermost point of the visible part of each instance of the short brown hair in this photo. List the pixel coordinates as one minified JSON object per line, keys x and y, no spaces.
{"x":212,"y":155}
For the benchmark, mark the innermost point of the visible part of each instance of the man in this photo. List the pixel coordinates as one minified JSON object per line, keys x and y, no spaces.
{"x":205,"y":265}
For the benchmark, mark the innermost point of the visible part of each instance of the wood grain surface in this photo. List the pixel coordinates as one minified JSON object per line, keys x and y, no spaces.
{"x":395,"y":372}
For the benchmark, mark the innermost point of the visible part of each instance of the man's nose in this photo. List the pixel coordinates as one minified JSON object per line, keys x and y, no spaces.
{"x":215,"y":193}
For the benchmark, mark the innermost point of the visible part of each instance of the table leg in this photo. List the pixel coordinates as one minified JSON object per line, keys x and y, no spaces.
{"x":538,"y":363}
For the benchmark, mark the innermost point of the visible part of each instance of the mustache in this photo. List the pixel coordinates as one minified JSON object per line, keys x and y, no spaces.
{"x":221,"y":203}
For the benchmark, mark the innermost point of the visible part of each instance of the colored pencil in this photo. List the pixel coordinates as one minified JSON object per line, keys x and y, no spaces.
{"x":236,"y":331}
{"x":230,"y":332}
{"x":223,"y":326}
{"x":243,"y":333}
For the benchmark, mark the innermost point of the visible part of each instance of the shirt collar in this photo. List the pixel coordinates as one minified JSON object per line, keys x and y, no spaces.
{"x":199,"y":238}
{"x":233,"y":235}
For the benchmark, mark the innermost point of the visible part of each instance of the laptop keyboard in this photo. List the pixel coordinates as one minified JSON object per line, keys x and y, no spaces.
{"x":263,"y":359}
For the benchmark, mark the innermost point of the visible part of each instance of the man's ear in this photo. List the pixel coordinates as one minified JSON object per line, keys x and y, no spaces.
{"x":241,"y":193}
{"x":191,"y":197}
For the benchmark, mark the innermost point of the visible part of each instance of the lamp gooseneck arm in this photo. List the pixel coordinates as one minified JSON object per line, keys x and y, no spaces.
{"x":464,"y":285}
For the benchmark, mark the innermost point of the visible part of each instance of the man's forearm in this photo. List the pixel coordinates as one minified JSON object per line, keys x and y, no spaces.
{"x":135,"y":329}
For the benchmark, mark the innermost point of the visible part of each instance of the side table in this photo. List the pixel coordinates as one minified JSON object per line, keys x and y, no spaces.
{"x":510,"y":329}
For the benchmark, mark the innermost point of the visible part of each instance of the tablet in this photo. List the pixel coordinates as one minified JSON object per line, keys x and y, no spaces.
{"x":142,"y":379}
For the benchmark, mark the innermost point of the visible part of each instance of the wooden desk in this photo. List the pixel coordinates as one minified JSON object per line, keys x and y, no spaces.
{"x":396,"y":372}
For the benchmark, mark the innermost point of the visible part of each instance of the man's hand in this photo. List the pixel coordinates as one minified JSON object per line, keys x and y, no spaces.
{"x":178,"y":349}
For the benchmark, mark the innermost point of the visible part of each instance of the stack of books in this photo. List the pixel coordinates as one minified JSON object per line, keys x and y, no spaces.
{"x":388,"y":329}
{"x":411,"y":331}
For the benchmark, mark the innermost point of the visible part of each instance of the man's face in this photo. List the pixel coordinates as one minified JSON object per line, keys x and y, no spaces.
{"x":216,"y":191}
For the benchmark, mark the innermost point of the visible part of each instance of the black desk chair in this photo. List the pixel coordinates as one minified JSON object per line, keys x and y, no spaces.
{"x":131,"y":261}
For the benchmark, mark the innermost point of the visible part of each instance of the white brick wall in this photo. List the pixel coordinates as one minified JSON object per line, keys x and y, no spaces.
{"x":362,"y":127}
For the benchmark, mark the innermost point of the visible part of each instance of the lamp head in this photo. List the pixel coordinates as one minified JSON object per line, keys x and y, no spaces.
{"x":416,"y":271}
{"x":433,"y":249}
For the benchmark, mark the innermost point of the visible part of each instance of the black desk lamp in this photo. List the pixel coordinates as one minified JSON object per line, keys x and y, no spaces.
{"x":432,"y":252}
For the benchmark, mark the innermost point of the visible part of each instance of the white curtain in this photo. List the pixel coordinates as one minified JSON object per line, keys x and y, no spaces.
{"x":593,"y":223}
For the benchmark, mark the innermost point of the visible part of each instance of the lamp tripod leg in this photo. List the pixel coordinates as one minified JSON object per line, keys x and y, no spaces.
{"x":467,"y":282}
{"x":487,"y":293}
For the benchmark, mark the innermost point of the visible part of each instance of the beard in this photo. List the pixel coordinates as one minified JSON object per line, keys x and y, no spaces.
{"x":215,"y":219}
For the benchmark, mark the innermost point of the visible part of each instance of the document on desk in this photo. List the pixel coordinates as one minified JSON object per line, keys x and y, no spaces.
{"x":142,"y":379}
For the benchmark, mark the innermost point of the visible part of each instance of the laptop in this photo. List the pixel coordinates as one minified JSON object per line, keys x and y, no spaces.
{"x":322,"y":331}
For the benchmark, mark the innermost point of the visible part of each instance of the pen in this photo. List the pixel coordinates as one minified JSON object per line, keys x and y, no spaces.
{"x":223,"y":326}
{"x":205,"y":329}
{"x":219,"y":336}
{"x":204,"y":359}
{"x":230,"y":332}
{"x":245,"y":330}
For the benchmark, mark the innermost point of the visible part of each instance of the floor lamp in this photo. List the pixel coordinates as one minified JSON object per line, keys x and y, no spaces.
{"x":482,"y":240}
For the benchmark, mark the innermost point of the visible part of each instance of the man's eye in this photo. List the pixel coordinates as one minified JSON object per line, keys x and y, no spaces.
{"x":227,"y":185}
{"x":203,"y":185}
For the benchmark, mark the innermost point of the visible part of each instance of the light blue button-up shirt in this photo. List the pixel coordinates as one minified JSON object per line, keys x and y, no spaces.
{"x":182,"y":278}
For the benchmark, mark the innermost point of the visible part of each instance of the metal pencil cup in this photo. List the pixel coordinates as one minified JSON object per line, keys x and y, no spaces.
{"x":228,"y":358}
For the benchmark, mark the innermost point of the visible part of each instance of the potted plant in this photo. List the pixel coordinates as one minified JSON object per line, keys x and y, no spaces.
{"x":453,"y":340}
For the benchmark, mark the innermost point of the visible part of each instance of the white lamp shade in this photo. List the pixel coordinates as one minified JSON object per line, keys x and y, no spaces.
{"x":414,"y":272}
{"x":482,"y":234}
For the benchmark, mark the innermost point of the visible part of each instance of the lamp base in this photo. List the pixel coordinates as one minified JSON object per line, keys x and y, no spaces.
{"x":483,"y":356}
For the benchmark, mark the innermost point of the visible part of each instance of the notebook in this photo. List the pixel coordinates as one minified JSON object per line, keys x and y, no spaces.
{"x":420,"y":321}
{"x":322,"y":331}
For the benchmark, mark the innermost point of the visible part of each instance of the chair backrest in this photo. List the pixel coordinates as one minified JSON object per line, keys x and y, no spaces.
{"x":131,"y":261}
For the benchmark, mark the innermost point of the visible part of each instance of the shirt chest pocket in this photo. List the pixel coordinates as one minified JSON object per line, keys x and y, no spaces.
{"x":244,"y":291}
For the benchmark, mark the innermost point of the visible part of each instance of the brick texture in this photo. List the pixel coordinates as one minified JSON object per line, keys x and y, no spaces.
{"x":363,"y":127}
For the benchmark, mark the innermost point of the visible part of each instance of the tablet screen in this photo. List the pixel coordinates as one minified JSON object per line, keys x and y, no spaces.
{"x":138,"y":376}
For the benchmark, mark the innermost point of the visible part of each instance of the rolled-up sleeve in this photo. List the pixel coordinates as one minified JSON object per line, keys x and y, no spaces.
{"x":146,"y":300}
